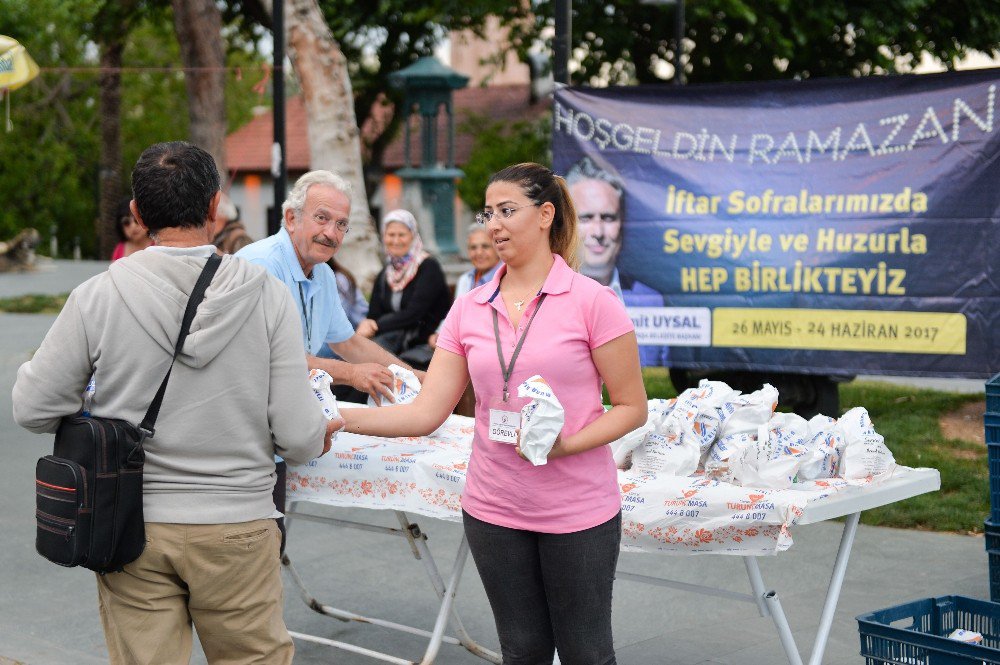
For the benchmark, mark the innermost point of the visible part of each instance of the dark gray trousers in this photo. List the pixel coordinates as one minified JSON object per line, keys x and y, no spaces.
{"x":549,"y":591}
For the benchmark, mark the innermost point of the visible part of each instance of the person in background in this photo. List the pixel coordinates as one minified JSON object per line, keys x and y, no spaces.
{"x":485,"y":262}
{"x":230,"y":234}
{"x":353,"y":301}
{"x":410,"y":296}
{"x":316,"y":218}
{"x":356,"y":308}
{"x":131,"y":236}
{"x":238,"y":393}
{"x":316,"y":215}
{"x":544,"y":538}
{"x":482,"y":256}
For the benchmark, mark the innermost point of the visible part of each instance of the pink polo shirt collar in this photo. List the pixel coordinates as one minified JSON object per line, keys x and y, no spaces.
{"x":559,"y":281}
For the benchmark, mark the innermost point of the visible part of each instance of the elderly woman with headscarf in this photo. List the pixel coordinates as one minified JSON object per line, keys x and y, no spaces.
{"x":410,"y":296}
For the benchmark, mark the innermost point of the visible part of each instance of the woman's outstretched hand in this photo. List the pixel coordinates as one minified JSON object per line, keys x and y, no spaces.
{"x":333,"y":426}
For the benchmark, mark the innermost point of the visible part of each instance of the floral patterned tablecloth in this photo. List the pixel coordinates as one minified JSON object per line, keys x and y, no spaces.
{"x":668,"y":514}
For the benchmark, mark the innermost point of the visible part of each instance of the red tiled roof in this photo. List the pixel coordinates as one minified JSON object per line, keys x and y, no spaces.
{"x":248,"y":149}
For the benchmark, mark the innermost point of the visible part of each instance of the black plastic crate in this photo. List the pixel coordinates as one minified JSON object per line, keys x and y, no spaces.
{"x":916,"y":633}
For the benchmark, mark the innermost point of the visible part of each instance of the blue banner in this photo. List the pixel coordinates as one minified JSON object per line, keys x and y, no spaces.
{"x":837,"y":226}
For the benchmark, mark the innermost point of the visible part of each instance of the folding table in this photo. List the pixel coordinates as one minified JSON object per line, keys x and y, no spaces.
{"x":425,"y":476}
{"x":849,"y":503}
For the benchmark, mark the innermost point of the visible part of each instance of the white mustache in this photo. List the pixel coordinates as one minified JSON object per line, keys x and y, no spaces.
{"x":326,"y":242}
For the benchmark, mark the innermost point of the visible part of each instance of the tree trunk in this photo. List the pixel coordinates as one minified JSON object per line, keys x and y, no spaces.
{"x":110,"y":174}
{"x":198,"y":25}
{"x":334,"y":139}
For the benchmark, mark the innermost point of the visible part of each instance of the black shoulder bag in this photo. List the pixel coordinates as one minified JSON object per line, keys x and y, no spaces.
{"x":88,"y":493}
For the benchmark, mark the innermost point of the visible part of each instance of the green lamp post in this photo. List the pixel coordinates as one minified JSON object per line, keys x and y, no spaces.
{"x":427,"y":86}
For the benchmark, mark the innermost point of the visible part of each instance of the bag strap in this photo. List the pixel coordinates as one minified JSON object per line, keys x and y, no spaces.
{"x":197,"y":295}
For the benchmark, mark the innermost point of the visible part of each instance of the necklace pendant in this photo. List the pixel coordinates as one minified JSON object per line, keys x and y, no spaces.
{"x":519,"y":304}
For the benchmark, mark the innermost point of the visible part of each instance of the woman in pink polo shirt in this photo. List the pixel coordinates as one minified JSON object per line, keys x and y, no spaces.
{"x":544,"y":538}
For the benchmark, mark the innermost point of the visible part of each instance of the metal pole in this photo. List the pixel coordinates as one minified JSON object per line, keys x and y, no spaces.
{"x":784,"y":632}
{"x":679,"y":43}
{"x":833,"y":591}
{"x":279,"y":169}
{"x":561,"y":44}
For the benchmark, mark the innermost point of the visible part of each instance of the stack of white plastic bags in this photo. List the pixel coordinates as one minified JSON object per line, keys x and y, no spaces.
{"x":740,"y":439}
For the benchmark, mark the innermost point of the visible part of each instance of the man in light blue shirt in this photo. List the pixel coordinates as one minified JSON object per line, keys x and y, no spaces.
{"x":315,"y":219}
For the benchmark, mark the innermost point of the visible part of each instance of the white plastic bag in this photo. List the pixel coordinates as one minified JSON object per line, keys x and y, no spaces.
{"x":665,"y":454}
{"x":542,"y":419}
{"x":683,"y":430}
{"x":701,"y":412}
{"x":621,"y":449}
{"x":824,"y":450}
{"x":405,"y":386}
{"x":320,"y":383}
{"x":659,"y":410}
{"x":866,"y":457}
{"x":774,"y":458}
{"x":748,"y":413}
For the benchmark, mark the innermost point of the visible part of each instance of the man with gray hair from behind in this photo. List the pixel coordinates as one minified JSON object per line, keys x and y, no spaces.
{"x":238,"y":394}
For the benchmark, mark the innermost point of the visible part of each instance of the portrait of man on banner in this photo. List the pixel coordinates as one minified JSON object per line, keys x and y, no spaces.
{"x":599,"y":197}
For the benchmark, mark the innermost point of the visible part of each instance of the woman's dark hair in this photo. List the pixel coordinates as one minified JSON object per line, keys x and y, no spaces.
{"x":541,"y":185}
{"x":173,"y":185}
{"x":121,"y":214}
{"x":339,"y":267}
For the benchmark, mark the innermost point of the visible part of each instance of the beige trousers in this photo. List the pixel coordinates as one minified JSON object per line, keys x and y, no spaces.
{"x":225,"y":578}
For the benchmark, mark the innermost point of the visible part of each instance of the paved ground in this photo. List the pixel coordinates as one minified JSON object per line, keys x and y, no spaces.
{"x":48,"y":615}
{"x":51,"y":277}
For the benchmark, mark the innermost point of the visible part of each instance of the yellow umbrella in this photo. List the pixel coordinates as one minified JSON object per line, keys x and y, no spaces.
{"x":16,"y":69}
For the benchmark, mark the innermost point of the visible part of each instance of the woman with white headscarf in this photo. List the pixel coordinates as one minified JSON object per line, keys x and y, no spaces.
{"x":410,"y":296}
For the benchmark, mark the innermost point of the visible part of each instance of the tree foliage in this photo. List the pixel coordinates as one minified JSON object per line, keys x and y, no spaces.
{"x":379,"y":38}
{"x":498,"y":144}
{"x":627,"y":41}
{"x":49,"y":164}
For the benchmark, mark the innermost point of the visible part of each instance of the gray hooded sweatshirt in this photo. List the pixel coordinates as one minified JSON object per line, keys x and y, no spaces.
{"x":237,"y":395}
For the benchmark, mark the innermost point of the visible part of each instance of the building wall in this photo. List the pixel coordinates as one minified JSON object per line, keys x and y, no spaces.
{"x":253,"y":194}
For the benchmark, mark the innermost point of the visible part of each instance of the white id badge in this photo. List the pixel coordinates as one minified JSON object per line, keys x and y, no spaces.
{"x":503,"y":425}
{"x":505,"y":419}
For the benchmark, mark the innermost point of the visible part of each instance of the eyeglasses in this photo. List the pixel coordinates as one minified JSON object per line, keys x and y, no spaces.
{"x":505,"y":212}
{"x":324,"y":220}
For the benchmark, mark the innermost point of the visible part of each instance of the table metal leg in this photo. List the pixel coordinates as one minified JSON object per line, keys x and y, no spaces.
{"x":446,"y":608}
{"x":441,"y":590}
{"x":770,"y":598}
{"x":757,"y":584}
{"x":418,"y":546}
{"x":784,"y":631}
{"x":833,"y":591}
